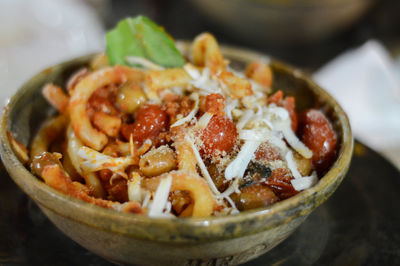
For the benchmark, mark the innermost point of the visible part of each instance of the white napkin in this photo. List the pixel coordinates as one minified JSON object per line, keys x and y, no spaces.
{"x":366,"y":82}
{"x":37,"y":34}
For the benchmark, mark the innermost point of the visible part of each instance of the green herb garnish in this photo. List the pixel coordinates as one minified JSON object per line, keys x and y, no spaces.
{"x":142,"y":37}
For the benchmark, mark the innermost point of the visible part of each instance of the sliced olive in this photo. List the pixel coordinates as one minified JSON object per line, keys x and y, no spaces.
{"x":254,"y":196}
{"x":262,"y":170}
{"x":217,"y":177}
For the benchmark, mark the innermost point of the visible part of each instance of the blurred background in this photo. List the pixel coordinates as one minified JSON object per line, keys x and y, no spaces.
{"x":351,"y":46}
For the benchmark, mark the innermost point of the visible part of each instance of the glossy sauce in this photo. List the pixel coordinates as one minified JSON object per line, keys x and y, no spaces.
{"x":150,"y":121}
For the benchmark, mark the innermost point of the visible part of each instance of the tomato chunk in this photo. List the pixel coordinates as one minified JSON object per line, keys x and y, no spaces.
{"x":290,"y":105}
{"x":318,"y":135}
{"x":219,"y":136}
{"x":151,"y":120}
{"x":279,"y":182}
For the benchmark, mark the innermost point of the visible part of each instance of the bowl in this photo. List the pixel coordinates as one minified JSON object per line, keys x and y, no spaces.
{"x":286,"y":22}
{"x":136,"y":239}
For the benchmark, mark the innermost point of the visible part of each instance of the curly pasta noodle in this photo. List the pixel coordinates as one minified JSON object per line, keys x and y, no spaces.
{"x":57,"y":178}
{"x":205,"y":52}
{"x":52,"y":129}
{"x":91,"y":179}
{"x":188,"y":181}
{"x":185,"y":156}
{"x":83,"y":90}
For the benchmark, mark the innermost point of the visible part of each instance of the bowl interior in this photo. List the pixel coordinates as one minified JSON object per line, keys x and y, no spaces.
{"x":27,"y":109}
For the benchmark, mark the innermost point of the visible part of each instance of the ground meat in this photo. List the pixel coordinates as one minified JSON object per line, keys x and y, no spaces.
{"x":176,"y":105}
{"x":214,"y":104}
{"x":102,"y":100}
{"x":117,"y":190}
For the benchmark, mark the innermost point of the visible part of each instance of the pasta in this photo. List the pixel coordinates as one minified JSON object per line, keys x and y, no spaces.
{"x":190,"y":141}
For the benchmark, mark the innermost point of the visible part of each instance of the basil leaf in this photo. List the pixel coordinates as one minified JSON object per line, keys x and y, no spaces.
{"x":143,"y":38}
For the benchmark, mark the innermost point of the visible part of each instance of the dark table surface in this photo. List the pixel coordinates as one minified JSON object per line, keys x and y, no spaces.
{"x":358,"y":225}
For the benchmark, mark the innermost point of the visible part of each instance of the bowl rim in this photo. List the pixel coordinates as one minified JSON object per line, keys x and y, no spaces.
{"x":256,"y":219}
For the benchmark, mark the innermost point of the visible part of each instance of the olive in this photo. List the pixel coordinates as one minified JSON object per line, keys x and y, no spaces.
{"x":253,"y":196}
{"x":261,"y":169}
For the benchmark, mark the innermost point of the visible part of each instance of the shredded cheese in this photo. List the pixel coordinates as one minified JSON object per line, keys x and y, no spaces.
{"x":246,"y":116}
{"x":264,"y":135}
{"x":94,"y":161}
{"x":160,"y":199}
{"x":238,"y":166}
{"x":205,"y":83}
{"x":233,"y":187}
{"x":134,"y":190}
{"x":202,"y":167}
{"x":230,"y":106}
{"x":203,"y":121}
{"x":292,"y":165}
{"x":192,"y":113}
{"x":293,"y":141}
{"x":304,"y":182}
{"x":146,"y":198}
{"x":193,"y":72}
{"x":279,"y":112}
{"x":230,"y":201}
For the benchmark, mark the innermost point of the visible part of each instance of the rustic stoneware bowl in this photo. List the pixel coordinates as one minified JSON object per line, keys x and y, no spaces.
{"x":135,"y":239}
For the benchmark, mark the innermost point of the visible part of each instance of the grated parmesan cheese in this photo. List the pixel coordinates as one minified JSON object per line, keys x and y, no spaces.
{"x":304,"y":182}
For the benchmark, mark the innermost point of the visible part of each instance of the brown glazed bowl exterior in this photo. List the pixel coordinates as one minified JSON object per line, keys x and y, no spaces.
{"x":136,"y":239}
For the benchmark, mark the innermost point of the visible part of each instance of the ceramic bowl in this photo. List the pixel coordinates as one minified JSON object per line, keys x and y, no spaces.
{"x":136,"y":239}
{"x":286,"y":22}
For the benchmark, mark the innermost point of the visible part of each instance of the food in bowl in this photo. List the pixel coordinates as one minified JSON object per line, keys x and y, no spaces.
{"x":147,"y":131}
